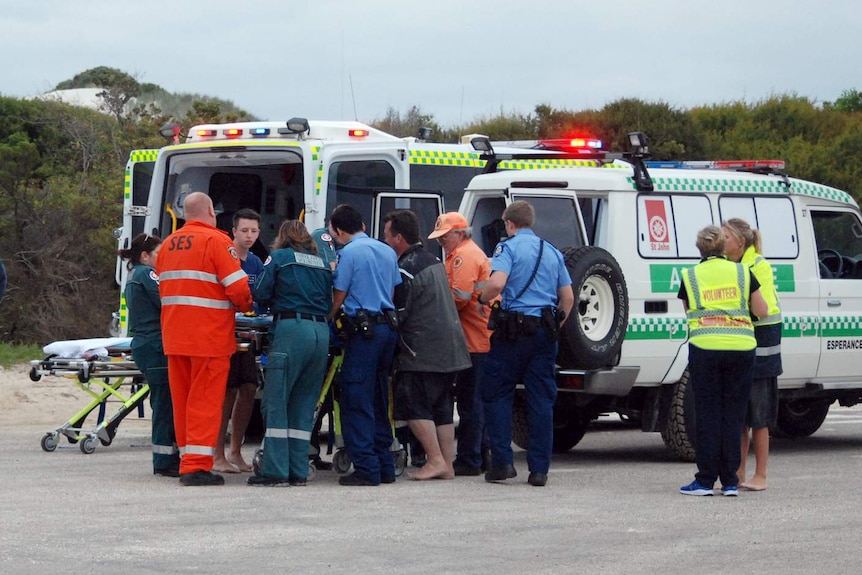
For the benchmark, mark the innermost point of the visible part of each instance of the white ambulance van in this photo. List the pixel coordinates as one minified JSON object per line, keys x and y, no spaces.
{"x":628,"y":229}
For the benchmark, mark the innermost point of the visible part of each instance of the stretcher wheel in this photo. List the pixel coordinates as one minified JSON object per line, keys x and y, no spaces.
{"x":49,"y":442}
{"x":341,"y":461}
{"x":88,"y":445}
{"x":400,"y":462}
{"x":257,"y":460}
{"x":34,"y":374}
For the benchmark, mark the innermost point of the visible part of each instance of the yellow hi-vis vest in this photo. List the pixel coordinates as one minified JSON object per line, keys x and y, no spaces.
{"x":763,"y":272}
{"x":718,"y":314}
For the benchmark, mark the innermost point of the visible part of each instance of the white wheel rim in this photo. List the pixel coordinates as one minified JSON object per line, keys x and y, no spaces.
{"x":595,"y":308}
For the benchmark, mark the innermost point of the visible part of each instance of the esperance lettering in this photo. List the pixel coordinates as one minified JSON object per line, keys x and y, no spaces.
{"x":844,"y":344}
{"x":721,"y":294}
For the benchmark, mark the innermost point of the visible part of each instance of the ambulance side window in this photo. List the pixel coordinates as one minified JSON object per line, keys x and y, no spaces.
{"x":839,"y":244}
{"x":668,"y":224}
{"x":773,"y":216}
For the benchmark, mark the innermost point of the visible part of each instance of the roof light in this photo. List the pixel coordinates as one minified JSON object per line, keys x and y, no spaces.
{"x":171,"y":132}
{"x":638,"y":140}
{"x":564,"y":144}
{"x":749,"y":164}
{"x":232,"y":132}
{"x":206,"y":133}
{"x":357,"y":133}
{"x":295,"y":126}
{"x":259,"y":132}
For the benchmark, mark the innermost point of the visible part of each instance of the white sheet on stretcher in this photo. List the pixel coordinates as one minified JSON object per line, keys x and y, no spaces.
{"x":85,"y":348}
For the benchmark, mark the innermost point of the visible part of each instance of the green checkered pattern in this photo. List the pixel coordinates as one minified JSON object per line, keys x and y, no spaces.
{"x":750,"y":186}
{"x":674,"y":328}
{"x":641,"y":328}
{"x":135,"y":157}
{"x":841,"y":326}
{"x":438,"y":158}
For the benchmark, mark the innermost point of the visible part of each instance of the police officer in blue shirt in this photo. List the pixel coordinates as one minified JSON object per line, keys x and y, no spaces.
{"x":537,"y":298}
{"x":366,"y":274}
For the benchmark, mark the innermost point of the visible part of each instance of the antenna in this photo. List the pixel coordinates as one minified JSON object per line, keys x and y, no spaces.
{"x":353,"y":97}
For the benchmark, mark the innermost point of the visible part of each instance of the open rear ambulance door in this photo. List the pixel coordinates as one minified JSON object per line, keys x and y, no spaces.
{"x":427,"y":205}
{"x":136,"y":192}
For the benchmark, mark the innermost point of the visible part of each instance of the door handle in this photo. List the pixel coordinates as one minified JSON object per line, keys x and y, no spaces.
{"x":833,"y":303}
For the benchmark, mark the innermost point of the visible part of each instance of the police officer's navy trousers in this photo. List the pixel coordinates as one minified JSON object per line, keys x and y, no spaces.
{"x":151,"y":360}
{"x":365,"y":403}
{"x":721,"y":382}
{"x":295,"y":368}
{"x":198,"y":387}
{"x":530,"y":359}
{"x":471,"y":421}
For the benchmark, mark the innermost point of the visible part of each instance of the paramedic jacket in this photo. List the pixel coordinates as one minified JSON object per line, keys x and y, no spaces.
{"x":201,"y":283}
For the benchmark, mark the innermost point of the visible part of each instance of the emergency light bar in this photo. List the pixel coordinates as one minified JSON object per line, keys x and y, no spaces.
{"x":357,"y":133}
{"x":232,"y":132}
{"x":563,"y":144}
{"x":718,"y":165}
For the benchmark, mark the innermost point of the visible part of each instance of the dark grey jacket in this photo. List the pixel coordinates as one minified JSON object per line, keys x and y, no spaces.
{"x":429,"y":323}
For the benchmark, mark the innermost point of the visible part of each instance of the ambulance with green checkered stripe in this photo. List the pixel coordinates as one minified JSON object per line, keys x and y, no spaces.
{"x":301,"y":169}
{"x":627,"y":229}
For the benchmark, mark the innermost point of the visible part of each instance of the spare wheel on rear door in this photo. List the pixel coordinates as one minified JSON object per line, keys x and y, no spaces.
{"x":593,"y":335}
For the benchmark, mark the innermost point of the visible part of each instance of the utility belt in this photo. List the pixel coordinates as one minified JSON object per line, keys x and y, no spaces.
{"x":363,"y":322}
{"x":511,"y":325}
{"x":299,"y":315}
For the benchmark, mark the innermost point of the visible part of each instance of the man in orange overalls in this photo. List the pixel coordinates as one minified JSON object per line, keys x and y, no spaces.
{"x":201,"y":286}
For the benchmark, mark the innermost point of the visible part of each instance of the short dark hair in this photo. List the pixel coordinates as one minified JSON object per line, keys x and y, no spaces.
{"x":347,"y":219}
{"x":404,"y":222}
{"x":245,"y":214}
{"x":521,"y":214}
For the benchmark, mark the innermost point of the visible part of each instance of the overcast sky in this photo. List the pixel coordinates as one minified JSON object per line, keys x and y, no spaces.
{"x":456,"y":60}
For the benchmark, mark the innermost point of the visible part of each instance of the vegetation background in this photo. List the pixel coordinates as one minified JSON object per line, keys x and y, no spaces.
{"x":61,"y":172}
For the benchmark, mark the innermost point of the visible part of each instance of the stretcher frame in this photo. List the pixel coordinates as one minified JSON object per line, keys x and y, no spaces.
{"x":102,"y":378}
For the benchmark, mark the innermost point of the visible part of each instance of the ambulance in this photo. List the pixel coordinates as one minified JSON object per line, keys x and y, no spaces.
{"x":626,"y":226}
{"x":627,"y":234}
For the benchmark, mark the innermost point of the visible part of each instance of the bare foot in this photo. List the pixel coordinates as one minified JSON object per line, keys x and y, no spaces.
{"x":224,"y":466}
{"x":433,"y":471}
{"x":238,"y":462}
{"x":756,"y":484}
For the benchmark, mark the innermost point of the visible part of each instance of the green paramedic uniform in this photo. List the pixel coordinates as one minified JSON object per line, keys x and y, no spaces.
{"x":297,"y":287}
{"x":144,"y":305}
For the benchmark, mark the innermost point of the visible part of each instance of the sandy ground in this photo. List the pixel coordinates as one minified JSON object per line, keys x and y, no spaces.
{"x":46,"y":404}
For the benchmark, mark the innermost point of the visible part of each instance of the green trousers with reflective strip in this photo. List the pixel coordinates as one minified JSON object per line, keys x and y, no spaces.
{"x":152,"y":362}
{"x":295,"y":368}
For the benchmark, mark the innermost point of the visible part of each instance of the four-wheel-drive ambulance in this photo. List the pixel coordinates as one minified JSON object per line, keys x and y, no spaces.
{"x":627,"y":234}
{"x":627,"y":231}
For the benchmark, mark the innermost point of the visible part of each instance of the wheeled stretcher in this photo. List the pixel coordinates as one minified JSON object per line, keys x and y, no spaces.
{"x":102,"y":368}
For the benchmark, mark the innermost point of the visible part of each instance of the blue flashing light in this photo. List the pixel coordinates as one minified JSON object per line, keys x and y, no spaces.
{"x":653,"y":164}
{"x":259,"y":131}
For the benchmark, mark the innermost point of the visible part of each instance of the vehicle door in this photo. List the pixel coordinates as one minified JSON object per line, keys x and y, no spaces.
{"x":838,"y":233}
{"x":558,"y":216}
{"x":427,"y":205}
{"x":136,"y":192}
{"x":788,"y":252}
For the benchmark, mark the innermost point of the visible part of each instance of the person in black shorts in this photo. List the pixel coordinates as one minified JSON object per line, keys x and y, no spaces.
{"x":432,"y":346}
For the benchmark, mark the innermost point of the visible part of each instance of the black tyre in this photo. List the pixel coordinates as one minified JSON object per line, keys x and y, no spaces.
{"x":593,"y":336}
{"x":569,"y":426}
{"x":800,"y":417}
{"x":680,"y":432}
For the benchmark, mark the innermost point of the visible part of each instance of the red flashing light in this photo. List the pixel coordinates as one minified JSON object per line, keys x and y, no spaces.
{"x":206,"y":133}
{"x":357,"y":133}
{"x":749,"y":164}
{"x":232,"y":132}
{"x":566,"y":144}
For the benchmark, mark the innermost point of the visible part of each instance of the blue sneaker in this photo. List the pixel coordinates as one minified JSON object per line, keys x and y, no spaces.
{"x":695,"y":488}
{"x":730,"y":491}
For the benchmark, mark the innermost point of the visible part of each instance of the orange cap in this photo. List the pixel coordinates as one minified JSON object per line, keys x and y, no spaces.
{"x":448,"y":222}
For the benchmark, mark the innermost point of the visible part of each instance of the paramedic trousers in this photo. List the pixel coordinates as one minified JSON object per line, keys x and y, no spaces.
{"x":198,"y":387}
{"x":529,"y":359}
{"x":151,"y":360}
{"x":471,"y":421}
{"x":721,"y":382}
{"x":295,"y":368}
{"x":364,"y":388}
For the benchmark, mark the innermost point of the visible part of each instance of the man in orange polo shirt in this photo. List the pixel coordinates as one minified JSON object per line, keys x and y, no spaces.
{"x":201,"y":286}
{"x":468,"y":269}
